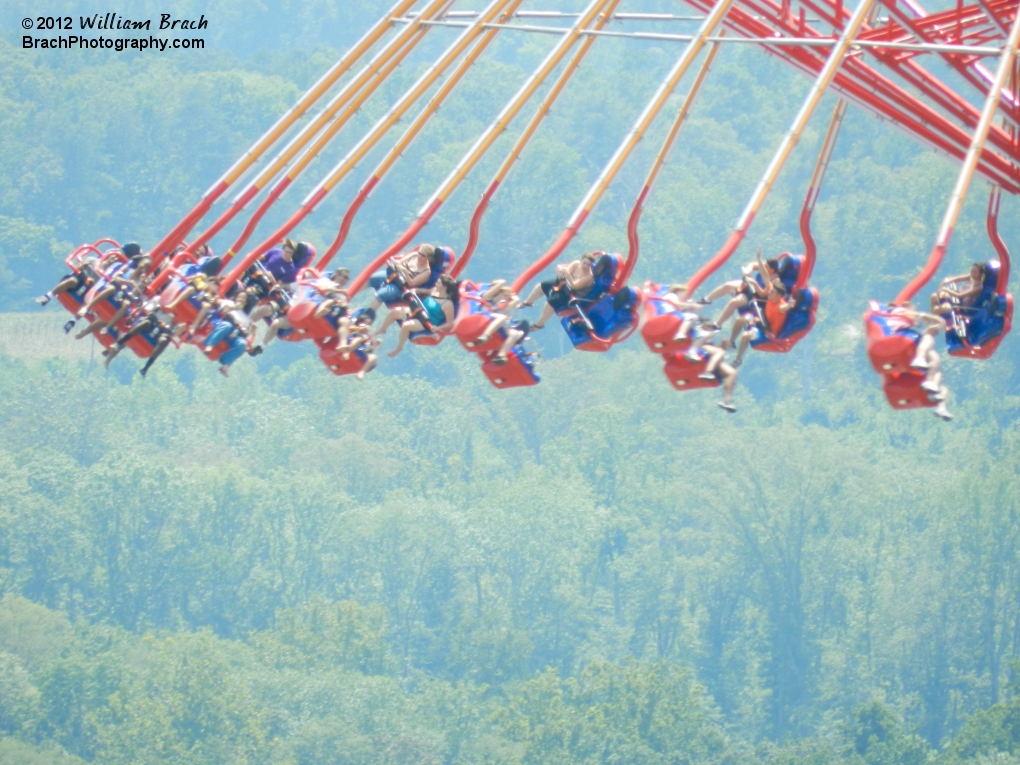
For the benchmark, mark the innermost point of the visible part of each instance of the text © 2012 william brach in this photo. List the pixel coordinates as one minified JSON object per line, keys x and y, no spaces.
{"x":107,"y":21}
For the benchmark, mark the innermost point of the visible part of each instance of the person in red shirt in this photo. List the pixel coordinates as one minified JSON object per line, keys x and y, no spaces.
{"x":771,"y":319}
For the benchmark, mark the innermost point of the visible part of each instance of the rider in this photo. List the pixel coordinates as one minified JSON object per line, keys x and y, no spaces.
{"x":233,"y":326}
{"x":746,"y":289}
{"x":287,"y":260}
{"x":334,"y":304}
{"x":502,"y":300}
{"x":435,"y":314}
{"x":160,"y":327}
{"x":574,"y":279}
{"x":926,"y":358}
{"x":124,"y":290}
{"x":202,"y":280}
{"x":124,"y":284}
{"x":948,"y":298}
{"x":771,"y":320}
{"x":138,"y":262}
{"x":409,"y":271}
{"x":688,"y":309}
{"x":81,"y":280}
{"x":717,"y":369}
{"x":335,"y":299}
{"x":356,"y":337}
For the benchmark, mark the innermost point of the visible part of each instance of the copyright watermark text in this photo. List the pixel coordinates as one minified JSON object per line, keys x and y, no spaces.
{"x":111,"y":29}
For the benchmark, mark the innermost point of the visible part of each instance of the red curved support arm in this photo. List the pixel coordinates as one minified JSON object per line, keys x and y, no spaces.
{"x":345,"y":224}
{"x":257,"y":216}
{"x":633,"y":242}
{"x":734,"y":240}
{"x":810,"y":249}
{"x":235,"y":207}
{"x":997,"y":241}
{"x":934,"y":262}
{"x":167,"y":244}
{"x":476,"y":224}
{"x":970,"y":163}
{"x":189,"y":251}
{"x":178,"y":232}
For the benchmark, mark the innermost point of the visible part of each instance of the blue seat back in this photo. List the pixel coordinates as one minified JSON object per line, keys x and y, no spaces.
{"x":440,"y":268}
{"x":303,"y":255}
{"x":789,"y":270}
{"x":799,"y":318}
{"x":609,"y":316}
{"x":604,"y":269}
{"x":987,"y":319}
{"x":986,"y":298}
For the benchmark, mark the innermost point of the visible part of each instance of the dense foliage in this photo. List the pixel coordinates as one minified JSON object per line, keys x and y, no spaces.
{"x":287,"y":567}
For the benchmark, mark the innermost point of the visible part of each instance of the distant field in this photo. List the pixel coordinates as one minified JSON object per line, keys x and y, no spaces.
{"x":36,"y":336}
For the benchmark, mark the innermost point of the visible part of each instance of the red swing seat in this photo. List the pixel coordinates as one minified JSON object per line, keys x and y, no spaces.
{"x":517,"y":372}
{"x":682,"y":373}
{"x":338,"y":365}
{"x":903,"y":390}
{"x":890,"y":339}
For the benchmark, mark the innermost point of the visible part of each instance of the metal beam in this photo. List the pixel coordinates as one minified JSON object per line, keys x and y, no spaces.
{"x":813,"y":42}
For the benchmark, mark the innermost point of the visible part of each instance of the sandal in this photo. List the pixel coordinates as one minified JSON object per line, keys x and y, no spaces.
{"x":482,"y":340}
{"x":500,"y":360}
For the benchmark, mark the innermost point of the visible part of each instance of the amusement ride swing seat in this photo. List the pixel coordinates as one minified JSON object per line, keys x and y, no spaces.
{"x":94,"y":263}
{"x":976,"y":331}
{"x":85,"y":259}
{"x":474,"y":314}
{"x":973,"y":332}
{"x":185,"y":311}
{"x":519,"y":367}
{"x":889,"y":341}
{"x":107,"y":308}
{"x":430,"y":337}
{"x":799,"y":321}
{"x":605,"y":316}
{"x":611,"y":311}
{"x":663,"y":320}
{"x":933,"y":112}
